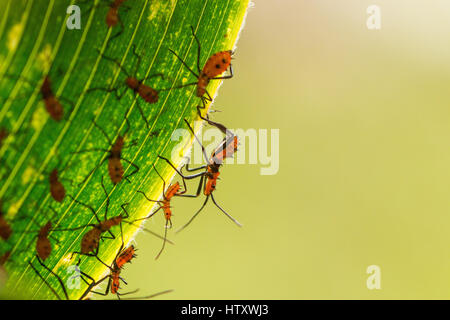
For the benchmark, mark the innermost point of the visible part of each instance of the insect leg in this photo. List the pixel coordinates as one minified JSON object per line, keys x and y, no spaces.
{"x":107,"y":199}
{"x":102,"y":131}
{"x":194,"y":216}
{"x":57,"y":277}
{"x":93,"y":284}
{"x":199,"y":189}
{"x":228,"y":215}
{"x":136,"y":169}
{"x":139,"y":59}
{"x":225,"y":77}
{"x":115,"y":61}
{"x":180,"y":173}
{"x":86,"y":206}
{"x":122,"y":27}
{"x":151,"y":214}
{"x":198,"y":140}
{"x":198,"y":49}
{"x":45,"y":281}
{"x":164,"y":242}
{"x":142,"y":112}
{"x":92,"y":171}
{"x":184,"y":63}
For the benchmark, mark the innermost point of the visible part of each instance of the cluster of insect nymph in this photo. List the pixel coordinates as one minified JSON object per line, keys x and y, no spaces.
{"x":93,"y":236}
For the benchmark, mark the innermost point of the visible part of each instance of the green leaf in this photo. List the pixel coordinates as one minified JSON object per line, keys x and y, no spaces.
{"x":34,"y":41}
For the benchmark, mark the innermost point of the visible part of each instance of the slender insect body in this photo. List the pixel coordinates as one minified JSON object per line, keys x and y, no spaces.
{"x":226,"y":149}
{"x":124,"y":257}
{"x":43,"y":245}
{"x":147,"y":93}
{"x":202,"y":83}
{"x":3,"y":135}
{"x":108,"y":224}
{"x":212,"y":175}
{"x":52,"y":104}
{"x":4,"y":258}
{"x":90,"y":240}
{"x":164,"y":205}
{"x":57,"y":189}
{"x":172,"y":191}
{"x":5,"y":228}
{"x":115,"y":281}
{"x":112,"y":17}
{"x":115,"y":167}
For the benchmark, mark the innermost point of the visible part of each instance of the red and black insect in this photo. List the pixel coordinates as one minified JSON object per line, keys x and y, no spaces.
{"x":216,"y":65}
{"x":137,"y":86}
{"x":210,"y":175}
{"x":164,"y":205}
{"x":90,"y":242}
{"x":115,"y":167}
{"x":123,"y":257}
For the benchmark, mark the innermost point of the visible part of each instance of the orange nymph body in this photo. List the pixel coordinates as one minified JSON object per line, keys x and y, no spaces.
{"x":217,"y":64}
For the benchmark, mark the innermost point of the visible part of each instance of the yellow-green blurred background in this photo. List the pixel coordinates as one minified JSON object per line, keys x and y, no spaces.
{"x":364,"y":173}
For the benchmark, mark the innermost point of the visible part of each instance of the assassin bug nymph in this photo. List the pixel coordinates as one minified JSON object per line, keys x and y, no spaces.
{"x":123,"y":257}
{"x":115,"y":167}
{"x":55,"y":181}
{"x":210,"y":173}
{"x":90,"y":241}
{"x":216,"y":65}
{"x":137,"y":86}
{"x":164,"y":205}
